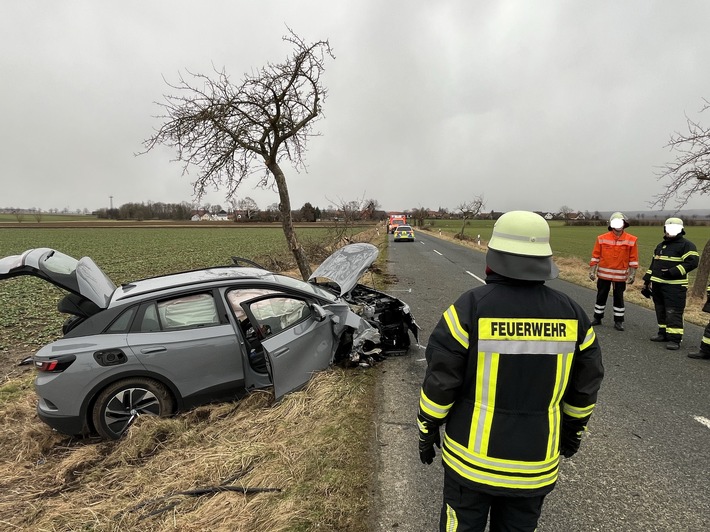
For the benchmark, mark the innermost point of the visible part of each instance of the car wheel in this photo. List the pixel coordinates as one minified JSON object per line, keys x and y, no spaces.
{"x":120,"y":403}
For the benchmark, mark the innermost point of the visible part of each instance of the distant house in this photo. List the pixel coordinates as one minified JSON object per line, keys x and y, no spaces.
{"x":195,"y":218}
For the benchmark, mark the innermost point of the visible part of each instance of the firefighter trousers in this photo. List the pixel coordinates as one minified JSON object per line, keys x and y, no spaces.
{"x":705,"y":342}
{"x":603,"y":288}
{"x":467,"y":510}
{"x":669,"y":302}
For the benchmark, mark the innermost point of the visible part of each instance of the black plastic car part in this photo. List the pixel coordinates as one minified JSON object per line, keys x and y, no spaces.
{"x":110,"y":357}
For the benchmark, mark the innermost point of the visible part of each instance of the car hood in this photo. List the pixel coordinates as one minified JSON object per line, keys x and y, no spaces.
{"x":346,"y":266}
{"x":82,"y":277}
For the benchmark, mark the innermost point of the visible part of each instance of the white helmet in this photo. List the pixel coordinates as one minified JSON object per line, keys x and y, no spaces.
{"x":618,"y":221}
{"x":673,"y":227}
{"x":520,"y":247}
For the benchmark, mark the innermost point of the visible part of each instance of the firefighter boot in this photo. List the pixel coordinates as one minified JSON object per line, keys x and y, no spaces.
{"x":619,"y":325}
{"x":705,"y":355}
{"x":673,"y":346}
{"x":660,"y":337}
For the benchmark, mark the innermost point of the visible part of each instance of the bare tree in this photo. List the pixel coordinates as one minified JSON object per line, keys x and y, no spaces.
{"x":249,"y":206}
{"x":566,"y":211}
{"x":420,"y":215}
{"x":469,"y":209}
{"x":229,"y":131}
{"x":687,"y":176}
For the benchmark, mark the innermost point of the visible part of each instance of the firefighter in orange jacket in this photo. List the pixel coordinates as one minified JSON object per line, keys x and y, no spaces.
{"x":614,"y":262}
{"x":513,"y":369}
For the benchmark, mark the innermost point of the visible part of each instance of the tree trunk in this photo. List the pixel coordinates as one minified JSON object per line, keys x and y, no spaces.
{"x":463,"y":226}
{"x":700,"y":285}
{"x":287,"y":222}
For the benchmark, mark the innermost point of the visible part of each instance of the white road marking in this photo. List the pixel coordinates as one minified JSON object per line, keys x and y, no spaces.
{"x":702,"y":420}
{"x":476,"y":277}
{"x":435,"y":251}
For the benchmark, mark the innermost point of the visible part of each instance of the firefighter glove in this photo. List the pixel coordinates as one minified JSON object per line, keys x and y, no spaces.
{"x":570,"y":439}
{"x":593,"y":273}
{"x":706,"y":306}
{"x":631,"y":276}
{"x":646,"y":291}
{"x":428,"y":437}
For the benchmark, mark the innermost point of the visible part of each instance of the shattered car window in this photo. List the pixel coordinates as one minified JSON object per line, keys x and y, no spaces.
{"x":308,"y":287}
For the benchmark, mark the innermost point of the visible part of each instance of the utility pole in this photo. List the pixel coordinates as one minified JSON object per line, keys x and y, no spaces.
{"x":110,"y":210}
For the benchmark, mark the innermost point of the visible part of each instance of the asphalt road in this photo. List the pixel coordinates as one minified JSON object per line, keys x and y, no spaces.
{"x":644,"y":464}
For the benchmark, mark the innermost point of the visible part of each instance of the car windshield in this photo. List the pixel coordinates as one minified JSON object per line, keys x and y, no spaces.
{"x":306,"y":287}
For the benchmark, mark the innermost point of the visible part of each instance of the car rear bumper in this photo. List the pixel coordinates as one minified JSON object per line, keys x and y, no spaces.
{"x":71,"y":425}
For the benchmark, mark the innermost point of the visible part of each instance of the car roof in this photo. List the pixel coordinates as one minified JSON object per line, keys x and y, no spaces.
{"x":193,"y":277}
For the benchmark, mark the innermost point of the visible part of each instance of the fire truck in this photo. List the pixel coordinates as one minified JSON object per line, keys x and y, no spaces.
{"x":395,"y":220}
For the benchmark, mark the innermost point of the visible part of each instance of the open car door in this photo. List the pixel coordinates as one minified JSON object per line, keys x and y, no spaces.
{"x":296,"y":336}
{"x":81,"y":277}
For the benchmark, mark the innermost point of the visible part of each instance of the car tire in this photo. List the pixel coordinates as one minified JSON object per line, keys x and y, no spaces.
{"x":118,"y":405}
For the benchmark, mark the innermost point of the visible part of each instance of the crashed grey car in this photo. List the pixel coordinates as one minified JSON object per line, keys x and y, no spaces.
{"x":168,"y":343}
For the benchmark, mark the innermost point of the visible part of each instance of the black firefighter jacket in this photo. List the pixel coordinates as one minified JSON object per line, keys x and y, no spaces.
{"x":510,"y":364}
{"x":673,"y":260}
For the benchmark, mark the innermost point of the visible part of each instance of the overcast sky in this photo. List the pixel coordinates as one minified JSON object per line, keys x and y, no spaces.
{"x":533,"y":105}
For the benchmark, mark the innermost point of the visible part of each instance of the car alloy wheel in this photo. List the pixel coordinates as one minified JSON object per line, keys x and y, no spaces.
{"x":120,"y":403}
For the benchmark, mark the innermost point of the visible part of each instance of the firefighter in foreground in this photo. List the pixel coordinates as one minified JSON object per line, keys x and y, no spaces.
{"x":513,"y":369}
{"x":667,"y":279}
{"x":614,"y":262}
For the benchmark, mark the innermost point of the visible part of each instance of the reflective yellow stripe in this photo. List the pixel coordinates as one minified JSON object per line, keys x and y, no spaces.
{"x":660,"y":280}
{"x":494,"y":479}
{"x":588,"y":340}
{"x":577,"y":411}
{"x":431,"y":408}
{"x":674,"y":331}
{"x":486,"y":379}
{"x":452,"y":320}
{"x":452,"y":521}
{"x":564,"y":366}
{"x":499,"y":465}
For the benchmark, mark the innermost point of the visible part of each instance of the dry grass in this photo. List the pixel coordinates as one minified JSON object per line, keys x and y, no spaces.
{"x":309,"y":447}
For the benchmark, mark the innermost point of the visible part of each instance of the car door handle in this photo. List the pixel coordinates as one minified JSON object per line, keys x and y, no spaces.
{"x":279,"y":352}
{"x":154,"y":349}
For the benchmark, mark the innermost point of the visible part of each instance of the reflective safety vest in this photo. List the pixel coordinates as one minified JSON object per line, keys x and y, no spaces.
{"x":614,"y":255}
{"x":508,"y":364}
{"x":673,"y":260}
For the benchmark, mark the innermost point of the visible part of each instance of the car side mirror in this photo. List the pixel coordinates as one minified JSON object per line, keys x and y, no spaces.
{"x":319,"y":312}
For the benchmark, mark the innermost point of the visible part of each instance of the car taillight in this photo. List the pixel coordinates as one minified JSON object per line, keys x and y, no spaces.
{"x":55,"y":365}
